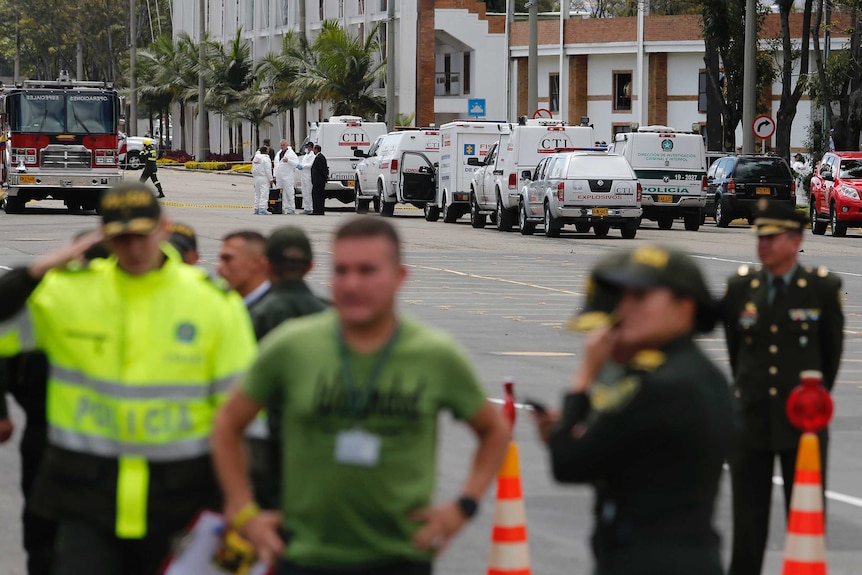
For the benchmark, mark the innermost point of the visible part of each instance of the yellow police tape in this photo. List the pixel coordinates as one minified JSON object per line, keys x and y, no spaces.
{"x":214,"y":206}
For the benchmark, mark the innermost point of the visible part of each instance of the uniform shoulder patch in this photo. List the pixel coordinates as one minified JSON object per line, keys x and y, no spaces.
{"x":608,"y":398}
{"x":648,"y":360}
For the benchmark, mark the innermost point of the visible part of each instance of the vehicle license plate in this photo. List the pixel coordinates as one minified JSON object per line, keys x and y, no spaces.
{"x":764,"y":191}
{"x":27,"y":179}
{"x":665,"y":199}
{"x":600,"y":211}
{"x":350,"y":183}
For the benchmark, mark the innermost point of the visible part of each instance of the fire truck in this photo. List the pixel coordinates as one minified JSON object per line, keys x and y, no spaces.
{"x":58,"y":140}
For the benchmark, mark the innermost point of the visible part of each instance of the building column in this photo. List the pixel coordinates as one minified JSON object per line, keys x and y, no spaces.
{"x":425,"y":63}
{"x":578,"y":88}
{"x":523,"y":82}
{"x":657,"y":111}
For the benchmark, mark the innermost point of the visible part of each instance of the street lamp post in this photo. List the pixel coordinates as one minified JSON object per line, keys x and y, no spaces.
{"x":200,"y":147}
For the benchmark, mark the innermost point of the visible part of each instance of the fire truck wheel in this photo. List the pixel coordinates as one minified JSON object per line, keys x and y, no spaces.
{"x":14,"y":205}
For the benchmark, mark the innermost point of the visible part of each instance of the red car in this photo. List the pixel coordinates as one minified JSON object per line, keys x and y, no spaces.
{"x":836,"y":193}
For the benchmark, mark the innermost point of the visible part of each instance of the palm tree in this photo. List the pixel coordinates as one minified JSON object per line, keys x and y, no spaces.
{"x":228,"y":72}
{"x":281,"y":70}
{"x":343,"y":71}
{"x":255,"y":106}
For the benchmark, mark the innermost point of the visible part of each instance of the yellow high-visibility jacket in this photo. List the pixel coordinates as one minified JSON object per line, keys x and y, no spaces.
{"x":138,"y":367}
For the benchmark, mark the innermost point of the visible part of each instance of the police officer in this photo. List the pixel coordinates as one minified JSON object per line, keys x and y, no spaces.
{"x":781,"y":318}
{"x":290,"y":257}
{"x":151,"y":154}
{"x":141,"y":349}
{"x":648,"y":418}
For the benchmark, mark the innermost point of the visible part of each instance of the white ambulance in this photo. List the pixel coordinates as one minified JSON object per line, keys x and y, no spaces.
{"x":671,"y":167}
{"x":460,"y":141}
{"x":497,"y":183}
{"x":338,"y":139}
{"x":398,"y":169}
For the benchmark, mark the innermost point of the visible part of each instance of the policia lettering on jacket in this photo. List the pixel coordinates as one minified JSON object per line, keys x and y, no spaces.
{"x":142,"y":349}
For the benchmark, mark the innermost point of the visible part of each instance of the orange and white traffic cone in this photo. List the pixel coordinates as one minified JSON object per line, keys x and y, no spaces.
{"x":510,"y":554}
{"x":805,"y":547}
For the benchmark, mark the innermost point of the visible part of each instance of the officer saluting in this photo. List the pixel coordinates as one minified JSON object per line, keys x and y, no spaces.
{"x":780,"y":319}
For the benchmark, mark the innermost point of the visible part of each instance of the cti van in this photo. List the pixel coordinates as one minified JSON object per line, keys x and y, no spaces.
{"x":460,"y":141}
{"x":339,"y":138}
{"x":671,"y":167}
{"x":399,"y":168}
{"x":497,"y":182}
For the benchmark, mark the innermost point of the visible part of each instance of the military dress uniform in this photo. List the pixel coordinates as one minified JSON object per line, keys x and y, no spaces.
{"x":651,"y":436}
{"x":769,"y":344}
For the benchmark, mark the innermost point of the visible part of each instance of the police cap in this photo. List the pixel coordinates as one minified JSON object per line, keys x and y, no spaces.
{"x":183,"y":238}
{"x":601,"y":298}
{"x":772,"y":218}
{"x":129,"y":208}
{"x":288,"y":244}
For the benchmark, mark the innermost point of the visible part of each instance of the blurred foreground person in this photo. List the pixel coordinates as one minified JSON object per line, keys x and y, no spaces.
{"x":648,"y":418}
{"x":361,"y":388}
{"x":140,"y":350}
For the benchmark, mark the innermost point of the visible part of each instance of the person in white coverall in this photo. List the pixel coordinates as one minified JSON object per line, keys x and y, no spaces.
{"x":261,"y":169}
{"x":304,"y":168}
{"x":285,"y":164}
{"x":800,"y":171}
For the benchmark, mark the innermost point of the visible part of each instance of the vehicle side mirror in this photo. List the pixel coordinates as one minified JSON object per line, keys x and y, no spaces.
{"x":359,"y":154}
{"x":472,"y":161}
{"x":827,"y":175}
{"x":526,"y":175}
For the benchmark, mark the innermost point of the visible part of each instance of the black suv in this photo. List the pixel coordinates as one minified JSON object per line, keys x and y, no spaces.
{"x":735,"y":183}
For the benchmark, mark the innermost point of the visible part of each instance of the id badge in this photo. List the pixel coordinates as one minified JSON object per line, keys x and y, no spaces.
{"x":357,"y":447}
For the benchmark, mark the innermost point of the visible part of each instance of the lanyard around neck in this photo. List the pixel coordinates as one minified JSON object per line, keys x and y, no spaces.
{"x":358,"y":399}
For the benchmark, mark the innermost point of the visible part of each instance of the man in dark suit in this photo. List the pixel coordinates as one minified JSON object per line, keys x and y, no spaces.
{"x":319,"y":177}
{"x":781,"y":318}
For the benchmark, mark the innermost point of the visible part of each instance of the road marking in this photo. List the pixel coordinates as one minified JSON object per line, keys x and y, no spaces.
{"x":492,"y":278}
{"x":534,"y":353}
{"x":212,"y":206}
{"x":715,"y":259}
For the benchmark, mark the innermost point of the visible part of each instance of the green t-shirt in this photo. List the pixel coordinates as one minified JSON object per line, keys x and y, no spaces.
{"x":346,"y":515}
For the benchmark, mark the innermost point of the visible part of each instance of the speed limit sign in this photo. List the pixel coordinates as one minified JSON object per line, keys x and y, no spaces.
{"x":763,"y":127}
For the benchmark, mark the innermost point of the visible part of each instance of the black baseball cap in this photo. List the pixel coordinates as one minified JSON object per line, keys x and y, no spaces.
{"x":773,"y":218}
{"x":129,"y":208}
{"x":288,"y":244}
{"x":183,"y":238}
{"x":654,"y":266}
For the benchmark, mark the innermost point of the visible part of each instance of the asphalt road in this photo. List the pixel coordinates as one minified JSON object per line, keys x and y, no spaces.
{"x":505,"y":298}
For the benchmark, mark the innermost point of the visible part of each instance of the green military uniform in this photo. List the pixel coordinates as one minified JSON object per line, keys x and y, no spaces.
{"x":771,"y":338}
{"x":285,"y":300}
{"x":651,"y":435}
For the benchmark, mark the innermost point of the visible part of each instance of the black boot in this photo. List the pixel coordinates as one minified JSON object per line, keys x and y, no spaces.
{"x":161,"y":193}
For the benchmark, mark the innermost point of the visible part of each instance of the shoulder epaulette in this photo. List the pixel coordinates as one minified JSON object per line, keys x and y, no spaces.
{"x":743,"y":270}
{"x":822,"y":272}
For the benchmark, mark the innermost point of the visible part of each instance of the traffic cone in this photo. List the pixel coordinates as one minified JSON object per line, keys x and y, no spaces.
{"x":510,"y":554}
{"x":805,"y":547}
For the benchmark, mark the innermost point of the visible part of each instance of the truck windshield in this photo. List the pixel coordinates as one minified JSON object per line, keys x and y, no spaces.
{"x":52,"y":112}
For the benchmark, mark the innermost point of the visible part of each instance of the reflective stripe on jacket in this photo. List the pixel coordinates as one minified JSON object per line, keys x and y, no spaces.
{"x":138,"y":366}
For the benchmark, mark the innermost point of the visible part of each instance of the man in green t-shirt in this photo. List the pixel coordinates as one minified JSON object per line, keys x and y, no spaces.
{"x":361,"y":389}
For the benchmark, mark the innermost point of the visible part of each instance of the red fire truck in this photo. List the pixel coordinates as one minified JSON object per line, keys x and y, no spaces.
{"x":60,"y":140}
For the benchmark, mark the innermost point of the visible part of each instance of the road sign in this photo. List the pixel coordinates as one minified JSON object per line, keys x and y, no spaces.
{"x":476,"y":107}
{"x":763,"y":127}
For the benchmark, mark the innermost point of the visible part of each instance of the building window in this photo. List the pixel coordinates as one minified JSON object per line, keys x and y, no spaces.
{"x":265,"y":10}
{"x":383,"y":36}
{"x":466,"y":84}
{"x":623,"y":91}
{"x":249,"y":15}
{"x":285,"y":12}
{"x":361,"y":8}
{"x":554,"y":92}
{"x":383,"y":6}
{"x":620,"y":129}
{"x":320,"y":10}
{"x":447,"y":82}
{"x":362,"y":31}
{"x":341,"y":8}
{"x":701,"y":91}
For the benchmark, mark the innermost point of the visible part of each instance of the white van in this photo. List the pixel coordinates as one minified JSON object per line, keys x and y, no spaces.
{"x":460,"y":141}
{"x":496,"y":184}
{"x":671,"y":167}
{"x":398,"y":168}
{"x":338,"y":139}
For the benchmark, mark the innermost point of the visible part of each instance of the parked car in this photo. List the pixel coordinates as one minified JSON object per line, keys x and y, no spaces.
{"x":736,"y":183}
{"x":588,"y":189}
{"x":131,"y":152}
{"x":835,"y":191}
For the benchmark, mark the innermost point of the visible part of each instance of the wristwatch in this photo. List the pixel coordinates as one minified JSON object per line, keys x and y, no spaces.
{"x":469,"y":506}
